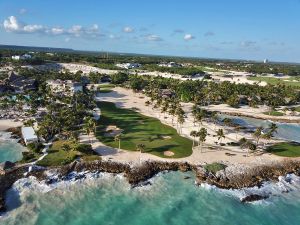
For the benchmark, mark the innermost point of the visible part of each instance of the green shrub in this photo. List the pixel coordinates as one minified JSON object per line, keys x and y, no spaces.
{"x":85,"y":149}
{"x":214,"y":167}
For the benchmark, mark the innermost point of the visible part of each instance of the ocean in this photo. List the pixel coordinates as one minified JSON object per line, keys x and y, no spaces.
{"x":171,"y":200}
{"x":10,"y":150}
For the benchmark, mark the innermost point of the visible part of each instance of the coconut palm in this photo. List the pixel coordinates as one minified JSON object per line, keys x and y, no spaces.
{"x":140,"y":147}
{"x":220,"y":135}
{"x":194,"y":135}
{"x":118,"y":139}
{"x":258,"y":134}
{"x":202,"y":136}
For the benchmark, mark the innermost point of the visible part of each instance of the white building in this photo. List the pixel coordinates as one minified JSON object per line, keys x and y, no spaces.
{"x":128,"y":65}
{"x":266,"y":61}
{"x":29,"y":135}
{"x":170,"y":65}
{"x":21,"y":57}
{"x":60,"y":86}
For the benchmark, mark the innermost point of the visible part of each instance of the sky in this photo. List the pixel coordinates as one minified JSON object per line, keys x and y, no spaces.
{"x":233,"y":29}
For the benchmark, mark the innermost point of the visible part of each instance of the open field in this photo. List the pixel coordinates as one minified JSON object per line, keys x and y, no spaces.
{"x":293,"y":81}
{"x":140,"y":129}
{"x":286,"y":149}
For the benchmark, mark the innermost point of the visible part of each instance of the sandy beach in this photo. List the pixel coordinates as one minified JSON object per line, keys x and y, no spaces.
{"x":5,"y":124}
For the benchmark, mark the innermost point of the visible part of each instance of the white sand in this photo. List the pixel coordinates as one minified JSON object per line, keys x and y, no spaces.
{"x":5,"y":124}
{"x":125,"y":98}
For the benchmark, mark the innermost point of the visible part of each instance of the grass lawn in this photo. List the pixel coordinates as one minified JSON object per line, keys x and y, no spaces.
{"x":272,"y":80}
{"x":139,"y":129}
{"x":286,"y":149}
{"x":298,"y":109}
{"x":106,"y":88}
{"x":274,"y":113}
{"x":105,"y":91}
{"x":58,"y":155}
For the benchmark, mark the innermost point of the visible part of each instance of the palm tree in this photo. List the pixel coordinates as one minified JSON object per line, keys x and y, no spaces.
{"x":273,"y":128}
{"x":220,"y":135}
{"x":140,"y":147}
{"x":258,"y":134}
{"x":202,"y":136}
{"x":180,"y":121}
{"x":118,"y":138}
{"x":194,"y":135}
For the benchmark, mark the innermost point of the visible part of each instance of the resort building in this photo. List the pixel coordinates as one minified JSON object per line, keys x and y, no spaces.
{"x":29,"y":135}
{"x":129,"y":65}
{"x":21,"y":57}
{"x":20,"y":84}
{"x":170,"y":65}
{"x":63,"y":87}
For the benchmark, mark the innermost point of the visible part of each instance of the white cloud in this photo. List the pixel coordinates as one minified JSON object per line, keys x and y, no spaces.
{"x":11,"y":24}
{"x":33,"y":28}
{"x":153,"y":37}
{"x":128,"y":29}
{"x":188,"y":37}
{"x":57,"y":30}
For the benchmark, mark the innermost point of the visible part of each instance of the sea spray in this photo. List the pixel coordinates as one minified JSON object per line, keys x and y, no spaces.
{"x":101,"y":198}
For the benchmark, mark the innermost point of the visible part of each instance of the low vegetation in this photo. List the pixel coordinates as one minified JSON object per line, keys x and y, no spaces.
{"x":214,"y":167}
{"x":65,"y":152}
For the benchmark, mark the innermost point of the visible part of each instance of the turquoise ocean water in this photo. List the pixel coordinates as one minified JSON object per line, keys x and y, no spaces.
{"x":10,"y":150}
{"x":169,"y":200}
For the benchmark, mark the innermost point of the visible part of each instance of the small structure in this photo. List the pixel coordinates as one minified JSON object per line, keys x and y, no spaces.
{"x":62,"y":87}
{"x":29,"y":135}
{"x":21,"y":57}
{"x":170,"y":65}
{"x":20,"y":84}
{"x":128,"y":65}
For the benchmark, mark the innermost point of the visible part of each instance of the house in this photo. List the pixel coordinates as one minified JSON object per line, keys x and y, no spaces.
{"x":62,"y":87}
{"x":170,"y":65}
{"x":29,"y":135}
{"x":21,"y":57}
{"x":128,"y":65}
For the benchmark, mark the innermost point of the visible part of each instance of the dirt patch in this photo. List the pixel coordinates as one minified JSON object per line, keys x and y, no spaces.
{"x":169,"y":153}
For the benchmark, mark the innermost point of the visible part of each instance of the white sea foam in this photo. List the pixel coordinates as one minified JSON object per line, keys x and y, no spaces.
{"x":285,"y":184}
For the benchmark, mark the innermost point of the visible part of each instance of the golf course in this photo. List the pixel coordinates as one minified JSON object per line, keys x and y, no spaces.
{"x":133,"y":129}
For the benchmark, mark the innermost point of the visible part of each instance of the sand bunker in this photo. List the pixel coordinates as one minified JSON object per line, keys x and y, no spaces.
{"x":112,"y":131}
{"x":169,"y":153}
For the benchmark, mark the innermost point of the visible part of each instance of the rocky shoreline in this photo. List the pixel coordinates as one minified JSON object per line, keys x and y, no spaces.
{"x":272,"y":118}
{"x":231,"y":178}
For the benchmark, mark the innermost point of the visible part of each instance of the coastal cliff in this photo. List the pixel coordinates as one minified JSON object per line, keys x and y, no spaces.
{"x":229,"y":178}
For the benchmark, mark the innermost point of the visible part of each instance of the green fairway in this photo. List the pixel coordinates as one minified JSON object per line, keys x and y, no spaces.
{"x":287,"y":149}
{"x":274,"y":81}
{"x":139,"y":129}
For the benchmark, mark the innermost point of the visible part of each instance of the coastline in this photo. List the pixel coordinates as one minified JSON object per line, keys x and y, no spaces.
{"x":7,"y":124}
{"x":233,"y":177}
